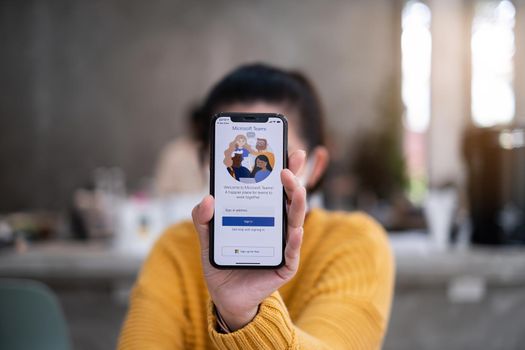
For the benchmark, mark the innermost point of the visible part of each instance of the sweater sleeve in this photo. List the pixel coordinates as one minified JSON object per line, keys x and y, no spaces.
{"x":347,"y":308}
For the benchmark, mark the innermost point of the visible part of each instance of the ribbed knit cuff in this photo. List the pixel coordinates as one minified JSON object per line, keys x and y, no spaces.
{"x":271,"y":328}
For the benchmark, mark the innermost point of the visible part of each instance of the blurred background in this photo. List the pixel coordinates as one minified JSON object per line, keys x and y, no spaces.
{"x":425,"y":105}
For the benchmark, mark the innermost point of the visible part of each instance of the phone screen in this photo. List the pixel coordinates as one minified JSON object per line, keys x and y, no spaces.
{"x":248,"y":154}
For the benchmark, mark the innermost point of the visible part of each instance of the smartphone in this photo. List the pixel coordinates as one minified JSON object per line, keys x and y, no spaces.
{"x":247,"y":153}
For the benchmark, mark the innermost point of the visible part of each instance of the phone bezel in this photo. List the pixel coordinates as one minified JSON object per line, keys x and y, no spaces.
{"x":253,"y":118}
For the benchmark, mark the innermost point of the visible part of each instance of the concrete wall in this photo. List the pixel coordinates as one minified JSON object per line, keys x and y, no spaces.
{"x":101,"y":83}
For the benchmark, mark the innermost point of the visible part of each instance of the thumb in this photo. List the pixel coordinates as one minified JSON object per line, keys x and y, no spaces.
{"x":201,"y":215}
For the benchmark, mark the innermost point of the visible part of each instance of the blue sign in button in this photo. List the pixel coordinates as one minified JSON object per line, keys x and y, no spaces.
{"x":248,"y":221}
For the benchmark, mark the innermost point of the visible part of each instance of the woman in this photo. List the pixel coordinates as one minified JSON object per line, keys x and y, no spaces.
{"x":261,"y":169}
{"x":238,"y":146}
{"x":338,"y":297}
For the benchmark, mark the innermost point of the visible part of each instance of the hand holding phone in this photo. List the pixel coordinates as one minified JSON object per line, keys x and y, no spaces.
{"x":237,"y":293}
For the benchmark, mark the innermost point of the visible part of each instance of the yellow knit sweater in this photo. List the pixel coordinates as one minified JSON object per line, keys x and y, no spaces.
{"x":339,"y":299}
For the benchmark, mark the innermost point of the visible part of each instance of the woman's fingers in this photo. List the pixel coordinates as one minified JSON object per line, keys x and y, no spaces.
{"x":297,"y":209}
{"x":292,"y":252}
{"x":296,"y":161}
{"x":290,"y":183}
{"x":296,"y":214}
{"x":202,"y":214}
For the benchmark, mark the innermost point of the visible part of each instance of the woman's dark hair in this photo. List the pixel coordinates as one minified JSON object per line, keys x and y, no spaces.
{"x":261,"y":82}
{"x":256,"y":168}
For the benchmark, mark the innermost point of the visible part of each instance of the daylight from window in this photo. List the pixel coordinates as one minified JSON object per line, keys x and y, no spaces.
{"x":416,"y":48}
{"x":492,"y":63}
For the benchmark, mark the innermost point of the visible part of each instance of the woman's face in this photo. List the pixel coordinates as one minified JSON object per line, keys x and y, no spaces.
{"x":294,"y":141}
{"x":241,"y":142}
{"x":261,"y":164}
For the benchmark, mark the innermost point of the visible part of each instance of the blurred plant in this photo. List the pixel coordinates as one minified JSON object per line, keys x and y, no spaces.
{"x":379,"y":164}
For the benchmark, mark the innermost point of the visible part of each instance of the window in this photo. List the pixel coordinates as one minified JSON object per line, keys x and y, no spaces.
{"x":416,"y":50}
{"x":492,"y":46}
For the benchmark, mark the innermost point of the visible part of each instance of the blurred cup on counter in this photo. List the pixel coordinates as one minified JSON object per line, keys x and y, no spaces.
{"x":440,"y":207}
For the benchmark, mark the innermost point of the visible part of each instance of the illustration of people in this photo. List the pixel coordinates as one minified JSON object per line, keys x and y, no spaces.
{"x":262,"y":168}
{"x":240,"y":156}
{"x":262,"y":149}
{"x":242,"y":146}
{"x":238,"y":146}
{"x":236,"y":170}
